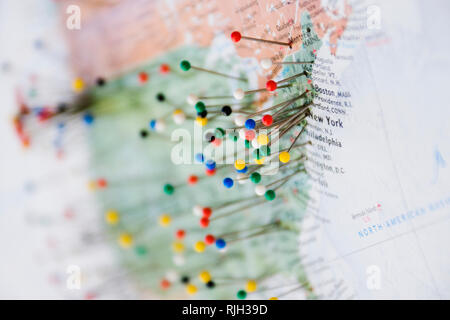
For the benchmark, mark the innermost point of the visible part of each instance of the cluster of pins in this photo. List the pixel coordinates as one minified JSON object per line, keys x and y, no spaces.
{"x":269,"y":134}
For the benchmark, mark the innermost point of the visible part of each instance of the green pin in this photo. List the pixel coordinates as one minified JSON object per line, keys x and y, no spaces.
{"x":141,"y":250}
{"x":168,"y":189}
{"x":185,"y":65}
{"x":200,"y":106}
{"x":265,"y":151}
{"x":219,"y":133}
{"x":241,"y":294}
{"x":257,"y":154}
{"x":233,"y":136}
{"x":255,"y":177}
{"x":270,"y":195}
{"x":247,"y":144}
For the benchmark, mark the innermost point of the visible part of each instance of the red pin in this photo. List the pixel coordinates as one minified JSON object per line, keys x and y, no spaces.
{"x":209,"y":239}
{"x":193,"y":179}
{"x":267,"y":120}
{"x":204,"y":222}
{"x":143,"y":77}
{"x":102,"y":183}
{"x":207,"y":212}
{"x":180,"y":234}
{"x":271,"y":85}
{"x":164,"y":68}
{"x":236,"y":37}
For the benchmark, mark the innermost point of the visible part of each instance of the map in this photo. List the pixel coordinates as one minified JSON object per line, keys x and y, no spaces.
{"x":372,"y":216}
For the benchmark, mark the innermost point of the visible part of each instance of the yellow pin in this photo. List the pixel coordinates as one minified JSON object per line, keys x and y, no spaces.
{"x":164,"y":220}
{"x":191,"y":289}
{"x":284,"y":156}
{"x":200,"y":246}
{"x":204,"y":276}
{"x":78,"y":85}
{"x":251,"y":286}
{"x":112,"y":217}
{"x":125,"y":240}
{"x":201,"y":121}
{"x":178,"y":247}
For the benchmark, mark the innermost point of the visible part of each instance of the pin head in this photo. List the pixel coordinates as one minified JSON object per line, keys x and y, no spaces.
{"x":165,"y":284}
{"x":284,"y":156}
{"x":204,"y":276}
{"x":266,"y":63}
{"x":210,"y":284}
{"x":200,"y":106}
{"x":271,"y":85}
{"x":199,"y":246}
{"x":263,"y":139}
{"x":199,"y":157}
{"x":239,"y":164}
{"x":191,"y":289}
{"x":185,"y":65}
{"x":239,"y":120}
{"x":160,"y":97}
{"x":260,"y":190}
{"x":241,"y":294}
{"x":219,"y":132}
{"x":152,"y":124}
{"x":202,"y":114}
{"x":255,"y":177}
{"x":180,"y":234}
{"x":143,"y":133}
{"x":100,"y":82}
{"x":206,"y":212}
{"x":250,"y":124}
{"x":178,"y":247}
{"x":143,"y":77}
{"x":88,"y":118}
{"x":265,"y":150}
{"x":249,"y":135}
{"x":164,"y":68}
{"x":236,"y":36}
{"x":184,"y":279}
{"x":201,"y":121}
{"x":193,"y":179}
{"x":257,"y":154}
{"x":269,"y":195}
{"x":210,"y":164}
{"x":112,"y":217}
{"x":204,"y":222}
{"x":168,"y":189}
{"x":192,"y":99}
{"x":78,"y":85}
{"x":220,"y":244}
{"x":267,"y":120}
{"x":178,"y":116}
{"x":238,"y":94}
{"x":164,"y":220}
{"x":209,"y":239}
{"x":226,"y":110}
{"x":251,"y":286}
{"x":126,"y":240}
{"x":228,"y":182}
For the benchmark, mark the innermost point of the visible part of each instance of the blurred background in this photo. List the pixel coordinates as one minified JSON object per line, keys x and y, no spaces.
{"x":89,"y":95}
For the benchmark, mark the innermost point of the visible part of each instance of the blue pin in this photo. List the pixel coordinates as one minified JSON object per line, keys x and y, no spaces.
{"x":228,"y":182}
{"x":210,"y":164}
{"x":199,"y":157}
{"x":220,"y":244}
{"x":242,"y":170}
{"x":250,"y":124}
{"x":88,"y":118}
